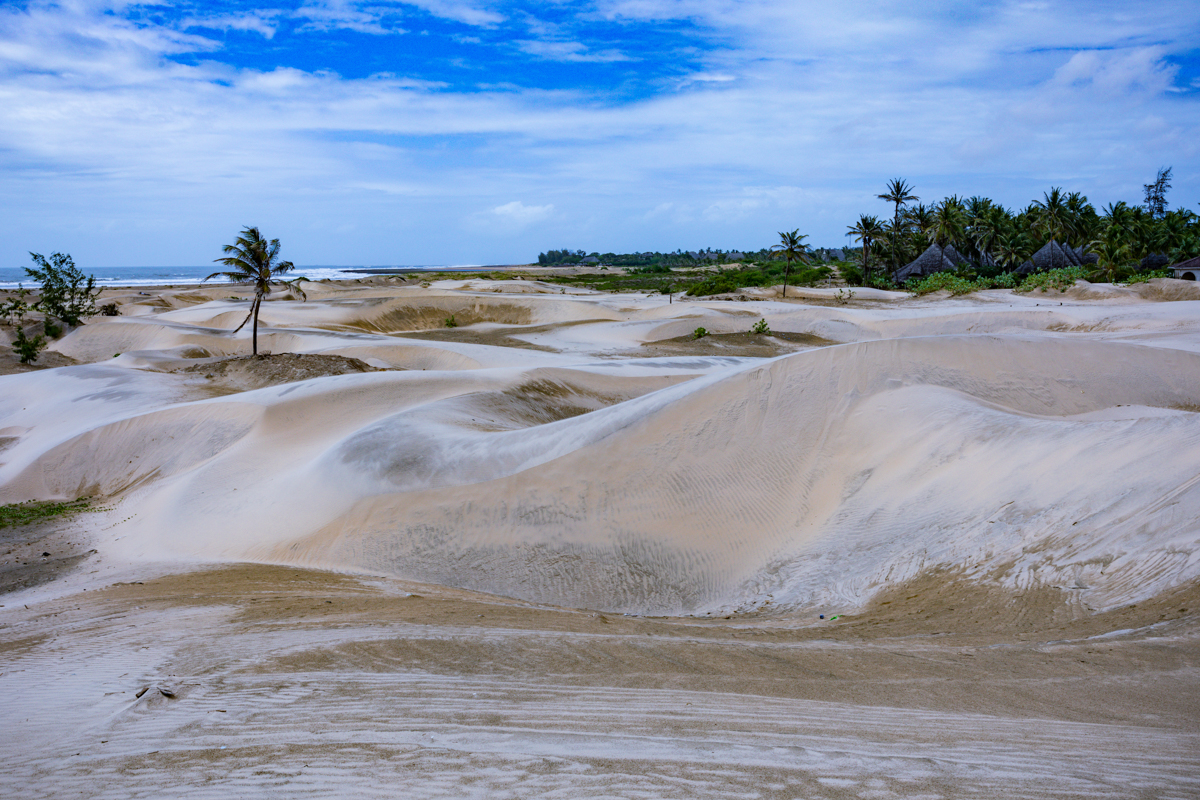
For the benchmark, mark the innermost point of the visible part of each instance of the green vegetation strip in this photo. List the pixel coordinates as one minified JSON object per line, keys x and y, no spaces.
{"x":27,"y":513}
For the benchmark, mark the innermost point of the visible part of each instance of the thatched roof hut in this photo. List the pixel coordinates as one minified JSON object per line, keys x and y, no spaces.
{"x":934,"y":259}
{"x":1053,"y":255}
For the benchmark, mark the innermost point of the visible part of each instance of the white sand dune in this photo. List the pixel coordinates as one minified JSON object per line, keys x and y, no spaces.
{"x":811,"y":480}
{"x":353,"y":585}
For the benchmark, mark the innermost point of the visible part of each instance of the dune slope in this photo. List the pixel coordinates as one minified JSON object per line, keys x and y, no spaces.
{"x":811,"y":480}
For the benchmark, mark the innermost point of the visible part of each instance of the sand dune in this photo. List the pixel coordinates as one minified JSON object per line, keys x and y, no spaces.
{"x":810,"y":481}
{"x":406,"y":559}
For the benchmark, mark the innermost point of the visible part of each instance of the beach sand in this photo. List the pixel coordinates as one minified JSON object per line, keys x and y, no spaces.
{"x":934,"y":547}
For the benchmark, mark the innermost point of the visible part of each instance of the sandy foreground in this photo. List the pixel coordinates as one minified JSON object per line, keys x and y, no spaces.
{"x":566,"y":550}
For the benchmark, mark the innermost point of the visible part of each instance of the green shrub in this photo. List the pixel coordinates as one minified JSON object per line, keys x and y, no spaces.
{"x":1060,"y":279}
{"x":27,"y":513}
{"x":699,"y":333}
{"x":15,"y":308}
{"x":110,"y":310}
{"x":66,"y":292}
{"x":53,"y":331}
{"x":27,"y":348}
{"x":722,"y":283}
{"x":451,"y":322}
{"x":809,"y":276}
{"x":1149,"y":275}
{"x":730,"y":280}
{"x":761,"y":327}
{"x":945,"y":281}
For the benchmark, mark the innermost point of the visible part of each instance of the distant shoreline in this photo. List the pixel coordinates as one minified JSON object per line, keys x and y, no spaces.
{"x":402,"y":270}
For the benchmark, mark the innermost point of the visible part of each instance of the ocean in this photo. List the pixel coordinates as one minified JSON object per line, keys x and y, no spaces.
{"x":10,"y":277}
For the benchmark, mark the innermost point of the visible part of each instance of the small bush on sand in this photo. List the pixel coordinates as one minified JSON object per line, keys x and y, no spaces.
{"x":27,"y":348}
{"x":945,"y":282}
{"x":33,"y":511}
{"x":110,"y":310}
{"x":699,"y":333}
{"x":15,"y":308}
{"x":761,"y":327}
{"x":451,"y":322}
{"x":1060,"y":279}
{"x":1149,"y":275}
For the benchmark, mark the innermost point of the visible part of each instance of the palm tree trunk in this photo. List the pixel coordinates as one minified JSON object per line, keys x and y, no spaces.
{"x":254,"y":338}
{"x":895,"y":226}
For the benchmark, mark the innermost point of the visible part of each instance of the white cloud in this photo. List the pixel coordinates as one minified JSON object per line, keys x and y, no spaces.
{"x":323,"y":15}
{"x":467,"y":13}
{"x":1129,"y":73}
{"x":708,"y":77}
{"x":104,"y":135}
{"x":518,"y":213}
{"x":568,"y":51}
{"x":261,"y":22}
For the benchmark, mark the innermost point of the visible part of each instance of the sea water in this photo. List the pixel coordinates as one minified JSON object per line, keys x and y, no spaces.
{"x":10,"y":277}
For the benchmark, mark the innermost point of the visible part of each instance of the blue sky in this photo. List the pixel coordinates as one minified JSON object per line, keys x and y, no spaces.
{"x":456,"y":131}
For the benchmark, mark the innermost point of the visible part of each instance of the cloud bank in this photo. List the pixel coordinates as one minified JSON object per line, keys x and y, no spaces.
{"x":400,"y":132}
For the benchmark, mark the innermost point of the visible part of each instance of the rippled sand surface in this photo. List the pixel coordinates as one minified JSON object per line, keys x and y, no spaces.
{"x":565,"y":550}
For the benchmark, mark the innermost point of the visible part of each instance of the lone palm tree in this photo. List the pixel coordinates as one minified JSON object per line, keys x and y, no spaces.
{"x":791,"y":249}
{"x":867,"y":230}
{"x":1054,"y":217}
{"x":900,"y":193}
{"x":252,"y":259}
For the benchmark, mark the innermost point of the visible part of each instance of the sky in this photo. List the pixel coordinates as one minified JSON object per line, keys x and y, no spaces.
{"x":479,"y":132}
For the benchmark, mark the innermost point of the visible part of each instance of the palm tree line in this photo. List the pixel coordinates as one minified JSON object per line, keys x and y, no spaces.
{"x":995,"y":239}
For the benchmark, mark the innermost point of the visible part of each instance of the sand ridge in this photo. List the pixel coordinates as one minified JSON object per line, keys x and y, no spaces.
{"x":567,"y":548}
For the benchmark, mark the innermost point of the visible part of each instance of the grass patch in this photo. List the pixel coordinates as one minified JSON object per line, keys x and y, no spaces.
{"x":946,"y":282}
{"x":1060,"y":279}
{"x":1149,"y":275}
{"x":27,"y":513}
{"x":769,"y":274}
{"x":959,"y":284}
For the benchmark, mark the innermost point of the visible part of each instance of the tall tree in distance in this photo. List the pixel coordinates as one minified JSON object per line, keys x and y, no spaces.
{"x":899,"y":193}
{"x":949,"y":223}
{"x":867,"y":230}
{"x":1156,"y":194}
{"x":1054,"y":217}
{"x":792,"y":250}
{"x":252,"y":259}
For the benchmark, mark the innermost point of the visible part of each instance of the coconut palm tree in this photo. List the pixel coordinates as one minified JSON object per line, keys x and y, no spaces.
{"x":949,"y":223}
{"x":1012,"y":249}
{"x":791,"y":249}
{"x":1112,"y":255}
{"x":1054,"y":216}
{"x":899,"y":193}
{"x":866,"y":230}
{"x":252,"y":259}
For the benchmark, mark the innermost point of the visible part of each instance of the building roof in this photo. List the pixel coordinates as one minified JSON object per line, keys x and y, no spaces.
{"x":934,"y":259}
{"x":1053,"y":255}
